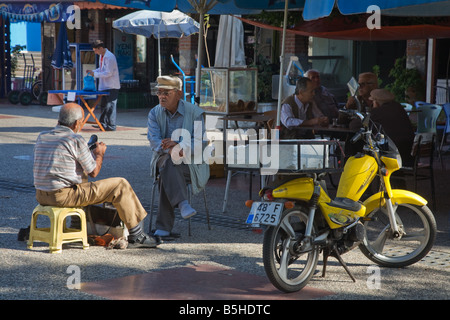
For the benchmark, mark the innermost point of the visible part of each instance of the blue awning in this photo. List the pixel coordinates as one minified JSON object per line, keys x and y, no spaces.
{"x":315,"y":9}
{"x":186,"y":6}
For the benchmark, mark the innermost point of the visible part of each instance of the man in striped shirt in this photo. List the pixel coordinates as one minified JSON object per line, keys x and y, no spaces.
{"x":61,"y":160}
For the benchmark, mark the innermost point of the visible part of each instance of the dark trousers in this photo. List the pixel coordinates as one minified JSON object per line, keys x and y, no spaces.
{"x":109,"y":110}
{"x":173,"y":181}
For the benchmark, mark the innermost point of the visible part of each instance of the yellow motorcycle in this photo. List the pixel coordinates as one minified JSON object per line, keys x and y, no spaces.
{"x":393,"y":227}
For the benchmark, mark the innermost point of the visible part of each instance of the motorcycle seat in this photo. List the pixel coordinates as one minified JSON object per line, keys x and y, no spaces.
{"x":345,"y":203}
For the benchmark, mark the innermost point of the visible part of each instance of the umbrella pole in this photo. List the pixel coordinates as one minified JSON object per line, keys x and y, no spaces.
{"x":199,"y":54}
{"x":280,"y":84}
{"x":159,"y":56}
{"x":159,"y":50}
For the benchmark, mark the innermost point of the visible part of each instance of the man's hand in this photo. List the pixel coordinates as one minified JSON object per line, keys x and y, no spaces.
{"x":351,"y":103}
{"x":168,"y":144}
{"x":323,"y":121}
{"x":98,"y":152}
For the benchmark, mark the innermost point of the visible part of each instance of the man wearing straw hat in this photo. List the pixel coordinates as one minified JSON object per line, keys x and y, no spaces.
{"x":171,"y":116}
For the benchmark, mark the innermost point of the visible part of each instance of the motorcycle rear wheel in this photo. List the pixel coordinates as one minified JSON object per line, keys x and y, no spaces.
{"x":419,"y":227}
{"x":287,"y":268}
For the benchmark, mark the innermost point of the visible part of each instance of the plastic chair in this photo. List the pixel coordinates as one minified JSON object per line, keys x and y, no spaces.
{"x":442,"y":93}
{"x":422,"y":169}
{"x":419,"y":104}
{"x":58,"y":233}
{"x":426,"y":117}
{"x":408,"y":107}
{"x":189,"y":189}
{"x":446,"y":128}
{"x":186,"y":80}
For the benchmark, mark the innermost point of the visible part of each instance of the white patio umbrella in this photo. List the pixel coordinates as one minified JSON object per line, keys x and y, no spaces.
{"x":158,"y":24}
{"x":230,"y":42}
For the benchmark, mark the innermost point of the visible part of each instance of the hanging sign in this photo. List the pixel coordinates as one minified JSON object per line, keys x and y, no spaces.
{"x":35,"y":12}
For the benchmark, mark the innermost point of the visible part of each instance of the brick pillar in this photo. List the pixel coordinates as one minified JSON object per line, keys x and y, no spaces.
{"x":416,"y":55}
{"x":187,"y":51}
{"x":295,"y":45}
{"x":98,"y":21}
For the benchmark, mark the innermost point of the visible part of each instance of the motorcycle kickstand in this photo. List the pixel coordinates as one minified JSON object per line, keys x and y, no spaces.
{"x":334,"y":253}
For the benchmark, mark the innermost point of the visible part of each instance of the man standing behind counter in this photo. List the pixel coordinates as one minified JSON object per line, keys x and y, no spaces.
{"x":108,"y":75}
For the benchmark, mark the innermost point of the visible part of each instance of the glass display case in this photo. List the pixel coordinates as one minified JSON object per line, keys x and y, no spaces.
{"x":83,"y":58}
{"x":228,"y":90}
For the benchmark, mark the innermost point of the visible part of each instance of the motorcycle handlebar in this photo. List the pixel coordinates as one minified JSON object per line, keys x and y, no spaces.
{"x":356,"y":137}
{"x":365,"y":119}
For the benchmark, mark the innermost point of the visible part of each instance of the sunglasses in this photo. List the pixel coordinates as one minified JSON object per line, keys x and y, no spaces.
{"x":363,"y":84}
{"x":163,"y":93}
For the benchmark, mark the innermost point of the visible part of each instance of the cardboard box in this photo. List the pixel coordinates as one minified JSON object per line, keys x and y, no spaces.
{"x":216,"y":171}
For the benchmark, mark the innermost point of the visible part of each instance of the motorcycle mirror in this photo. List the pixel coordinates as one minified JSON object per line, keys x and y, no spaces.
{"x":379,"y":137}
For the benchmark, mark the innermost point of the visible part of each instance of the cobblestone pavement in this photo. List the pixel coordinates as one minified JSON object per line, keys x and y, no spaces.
{"x":36,"y":274}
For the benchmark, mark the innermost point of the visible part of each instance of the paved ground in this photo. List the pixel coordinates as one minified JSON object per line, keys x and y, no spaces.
{"x":229,"y":249}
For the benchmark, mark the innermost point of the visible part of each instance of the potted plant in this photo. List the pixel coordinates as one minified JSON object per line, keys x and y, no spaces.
{"x":266,"y":70}
{"x":14,"y":58}
{"x":408,"y":85}
{"x":13,"y":95}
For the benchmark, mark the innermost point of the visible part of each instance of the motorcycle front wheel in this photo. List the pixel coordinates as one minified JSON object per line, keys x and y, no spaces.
{"x":418,"y":228}
{"x":289,"y":267}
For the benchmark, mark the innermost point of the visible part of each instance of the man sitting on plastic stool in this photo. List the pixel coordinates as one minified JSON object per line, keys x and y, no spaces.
{"x":61,"y":159}
{"x":175,"y":130}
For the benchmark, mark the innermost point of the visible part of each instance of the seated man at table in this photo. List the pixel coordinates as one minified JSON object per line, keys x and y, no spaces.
{"x":394,"y":121}
{"x":324,"y":99}
{"x":61,"y":160}
{"x":171,"y":114}
{"x":299,"y":110}
{"x":367,"y":82}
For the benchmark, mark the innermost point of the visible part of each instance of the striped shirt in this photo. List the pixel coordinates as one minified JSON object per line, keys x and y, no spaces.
{"x":60,"y":158}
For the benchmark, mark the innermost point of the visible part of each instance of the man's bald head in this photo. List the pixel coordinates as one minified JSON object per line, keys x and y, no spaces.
{"x":69,"y":114}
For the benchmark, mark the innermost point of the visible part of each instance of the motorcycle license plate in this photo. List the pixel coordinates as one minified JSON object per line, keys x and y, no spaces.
{"x":267,"y":213}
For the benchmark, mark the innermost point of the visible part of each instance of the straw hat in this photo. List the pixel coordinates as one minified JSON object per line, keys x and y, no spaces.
{"x":169,"y":82}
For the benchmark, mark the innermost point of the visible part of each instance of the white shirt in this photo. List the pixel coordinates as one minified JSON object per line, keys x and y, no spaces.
{"x":287,"y":116}
{"x":108,"y":73}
